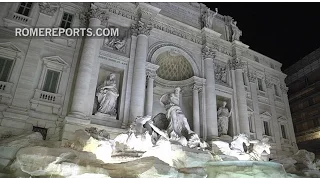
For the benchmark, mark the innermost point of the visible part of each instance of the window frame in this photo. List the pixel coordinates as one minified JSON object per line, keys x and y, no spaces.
{"x":268,"y":128}
{"x":283,"y":129}
{"x":61,"y":19}
{"x":54,"y":63}
{"x":58,"y":81}
{"x":11,"y":68}
{"x":24,"y":8}
{"x":262,"y":88}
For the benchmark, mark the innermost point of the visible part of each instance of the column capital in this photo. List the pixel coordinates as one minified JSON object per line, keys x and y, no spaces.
{"x":141,"y":28}
{"x":94,"y":12}
{"x":48,"y":8}
{"x":284,"y":88}
{"x":236,"y":63}
{"x":151,"y":74}
{"x":196,"y":87}
{"x":208,"y":52}
{"x":268,"y":83}
{"x":252,"y":76}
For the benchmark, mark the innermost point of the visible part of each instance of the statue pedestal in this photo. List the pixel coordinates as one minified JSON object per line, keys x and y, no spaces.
{"x":225,"y":138}
{"x":102,"y":116}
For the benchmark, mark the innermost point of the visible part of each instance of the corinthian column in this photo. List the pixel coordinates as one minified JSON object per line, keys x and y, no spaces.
{"x":196,"y":109}
{"x":210,"y":93}
{"x":150,"y":76}
{"x":237,"y":65}
{"x":142,"y":30}
{"x":79,"y":104}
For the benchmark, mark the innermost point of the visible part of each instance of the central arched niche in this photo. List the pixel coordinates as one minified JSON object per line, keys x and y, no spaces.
{"x":173,"y":66}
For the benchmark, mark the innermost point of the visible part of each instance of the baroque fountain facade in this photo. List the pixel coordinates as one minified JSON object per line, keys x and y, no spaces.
{"x":177,"y":93}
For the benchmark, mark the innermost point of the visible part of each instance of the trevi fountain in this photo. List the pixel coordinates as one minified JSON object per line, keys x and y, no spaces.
{"x":175,"y":95}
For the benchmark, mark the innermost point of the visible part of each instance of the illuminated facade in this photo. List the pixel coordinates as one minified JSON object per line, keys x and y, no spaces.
{"x":50,"y":84}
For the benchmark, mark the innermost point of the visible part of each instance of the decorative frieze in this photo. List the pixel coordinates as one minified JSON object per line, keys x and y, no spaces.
{"x":208,"y":53}
{"x":141,"y":28}
{"x":236,"y":63}
{"x":47,"y":8}
{"x":177,"y":32}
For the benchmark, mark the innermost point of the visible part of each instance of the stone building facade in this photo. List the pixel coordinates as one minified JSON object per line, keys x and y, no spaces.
{"x":304,"y":86}
{"x":51,"y":83}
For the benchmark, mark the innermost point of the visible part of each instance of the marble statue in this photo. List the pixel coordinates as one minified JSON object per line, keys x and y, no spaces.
{"x":239,"y":141}
{"x":259,"y":147}
{"x":207,"y":18}
{"x":178,"y":126}
{"x":236,"y":32}
{"x":223,"y":119}
{"x":107,"y":95}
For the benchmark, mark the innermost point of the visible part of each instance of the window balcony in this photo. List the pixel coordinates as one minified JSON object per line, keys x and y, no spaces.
{"x":46,"y":102}
{"x":47,"y":97}
{"x":16,"y":18}
{"x":5,"y":87}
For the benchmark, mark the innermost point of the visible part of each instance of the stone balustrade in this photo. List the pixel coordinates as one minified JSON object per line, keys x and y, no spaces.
{"x":19,"y":18}
{"x":5,"y":87}
{"x":47,"y":97}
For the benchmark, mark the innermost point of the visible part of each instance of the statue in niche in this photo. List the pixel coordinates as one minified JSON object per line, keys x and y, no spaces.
{"x":236,"y":32}
{"x":107,"y":95}
{"x":223,"y":119}
{"x":178,"y":128}
{"x":207,"y":18}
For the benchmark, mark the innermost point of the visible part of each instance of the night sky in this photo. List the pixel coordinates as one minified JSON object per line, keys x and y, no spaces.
{"x":285,"y":32}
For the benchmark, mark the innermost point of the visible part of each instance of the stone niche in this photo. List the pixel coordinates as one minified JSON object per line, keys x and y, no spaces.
{"x":104,"y":73}
{"x":221,"y":99}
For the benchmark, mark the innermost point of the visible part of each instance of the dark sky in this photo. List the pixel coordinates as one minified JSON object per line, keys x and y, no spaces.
{"x":285,"y":32}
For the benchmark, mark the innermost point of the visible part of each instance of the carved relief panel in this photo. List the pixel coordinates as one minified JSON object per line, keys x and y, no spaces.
{"x":117,"y":44}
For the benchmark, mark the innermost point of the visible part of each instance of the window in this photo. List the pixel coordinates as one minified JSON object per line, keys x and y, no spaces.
{"x":256,"y":59}
{"x":276,"y":90}
{"x":66,"y":20}
{"x":244,"y":78}
{"x":283,"y":131}
{"x":266,"y":128}
{"x":5,"y":68}
{"x":51,"y":81}
{"x":251,"y":124}
{"x":260,"y":87}
{"x":24,"y":8}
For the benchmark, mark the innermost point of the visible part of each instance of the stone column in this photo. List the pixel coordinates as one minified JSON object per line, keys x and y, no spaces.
{"x":142,"y":30}
{"x":257,"y":122}
{"x":196,"y":109}
{"x":291,"y":133}
{"x":274,"y":120}
{"x":210,"y":93}
{"x":237,"y":66}
{"x":79,"y":103}
{"x":150,"y":76}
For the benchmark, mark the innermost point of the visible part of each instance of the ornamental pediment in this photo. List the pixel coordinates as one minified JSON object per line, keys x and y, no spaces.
{"x":265,"y":115}
{"x":56,"y":60}
{"x":10,"y":46}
